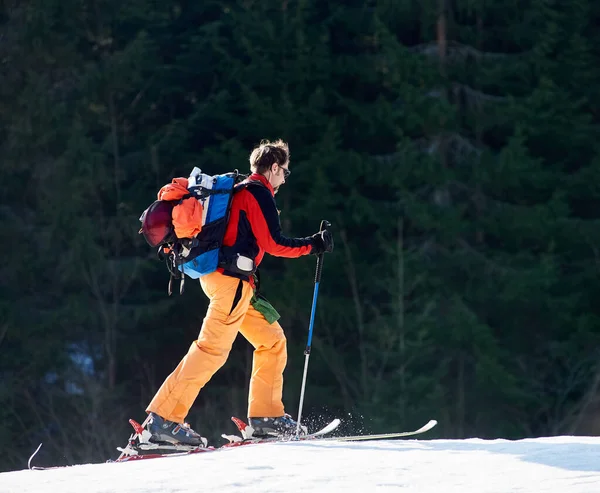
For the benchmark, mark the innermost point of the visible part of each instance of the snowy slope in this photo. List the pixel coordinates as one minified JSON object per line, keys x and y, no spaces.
{"x":557,"y":465}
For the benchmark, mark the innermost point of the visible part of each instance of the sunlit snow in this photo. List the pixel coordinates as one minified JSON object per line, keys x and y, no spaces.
{"x":543,"y":465}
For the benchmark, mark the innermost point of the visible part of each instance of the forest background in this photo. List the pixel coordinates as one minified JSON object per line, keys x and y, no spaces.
{"x":453,"y":144}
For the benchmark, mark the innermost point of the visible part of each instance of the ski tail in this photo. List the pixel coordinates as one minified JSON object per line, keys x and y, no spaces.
{"x":29,"y":466}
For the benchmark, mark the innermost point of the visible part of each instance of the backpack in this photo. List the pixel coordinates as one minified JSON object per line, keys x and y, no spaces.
{"x":188,"y":221}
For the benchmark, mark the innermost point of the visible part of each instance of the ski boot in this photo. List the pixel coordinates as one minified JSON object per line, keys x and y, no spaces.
{"x":283,"y":426}
{"x":164,"y":431}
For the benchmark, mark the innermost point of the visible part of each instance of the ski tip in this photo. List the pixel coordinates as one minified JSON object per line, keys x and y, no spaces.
{"x":331,"y":426}
{"x":324,"y":431}
{"x":428,"y":426}
{"x":32,"y":456}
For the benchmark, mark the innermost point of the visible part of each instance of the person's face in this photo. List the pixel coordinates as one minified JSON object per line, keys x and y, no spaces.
{"x":278,"y":175}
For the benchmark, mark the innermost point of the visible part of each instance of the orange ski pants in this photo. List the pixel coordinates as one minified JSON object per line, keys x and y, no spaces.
{"x":229,"y":312}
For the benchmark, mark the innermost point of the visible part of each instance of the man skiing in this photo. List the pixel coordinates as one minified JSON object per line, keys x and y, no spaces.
{"x":253,"y":230}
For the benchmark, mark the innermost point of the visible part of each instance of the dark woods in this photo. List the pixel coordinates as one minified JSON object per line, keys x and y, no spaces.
{"x":453,"y":145}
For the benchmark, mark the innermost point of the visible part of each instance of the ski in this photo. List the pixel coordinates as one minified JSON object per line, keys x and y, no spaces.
{"x":247,"y":439}
{"x":386,"y":436}
{"x":153,"y":451}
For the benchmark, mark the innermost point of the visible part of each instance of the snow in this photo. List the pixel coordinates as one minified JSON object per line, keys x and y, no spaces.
{"x":541,"y":465}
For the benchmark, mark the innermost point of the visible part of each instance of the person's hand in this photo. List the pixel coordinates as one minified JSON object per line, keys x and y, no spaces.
{"x":322,"y":242}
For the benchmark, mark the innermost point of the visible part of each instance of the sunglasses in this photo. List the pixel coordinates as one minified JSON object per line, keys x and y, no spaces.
{"x":286,"y":173}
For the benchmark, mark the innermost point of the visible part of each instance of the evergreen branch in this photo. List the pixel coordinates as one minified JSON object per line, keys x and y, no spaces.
{"x":454,"y":143}
{"x":456,"y":50}
{"x":474,"y":97}
{"x":489,"y":262}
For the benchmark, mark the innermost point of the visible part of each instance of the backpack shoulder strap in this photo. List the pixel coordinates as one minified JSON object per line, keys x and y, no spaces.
{"x":245,"y":184}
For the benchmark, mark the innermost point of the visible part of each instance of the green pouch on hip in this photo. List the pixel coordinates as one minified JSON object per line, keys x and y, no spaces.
{"x":261,"y":305}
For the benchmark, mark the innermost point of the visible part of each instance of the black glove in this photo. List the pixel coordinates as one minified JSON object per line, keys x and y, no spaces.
{"x":322,"y":242}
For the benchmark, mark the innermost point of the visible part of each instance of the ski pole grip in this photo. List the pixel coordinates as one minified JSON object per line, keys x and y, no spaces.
{"x":324,"y":225}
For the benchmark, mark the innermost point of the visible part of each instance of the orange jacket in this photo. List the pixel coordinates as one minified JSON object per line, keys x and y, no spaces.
{"x":187,"y":215}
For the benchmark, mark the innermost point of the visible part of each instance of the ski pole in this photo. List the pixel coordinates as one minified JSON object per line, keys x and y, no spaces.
{"x":324,"y":224}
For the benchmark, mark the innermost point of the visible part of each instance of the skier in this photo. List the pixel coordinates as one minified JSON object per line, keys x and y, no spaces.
{"x":235,"y":306}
